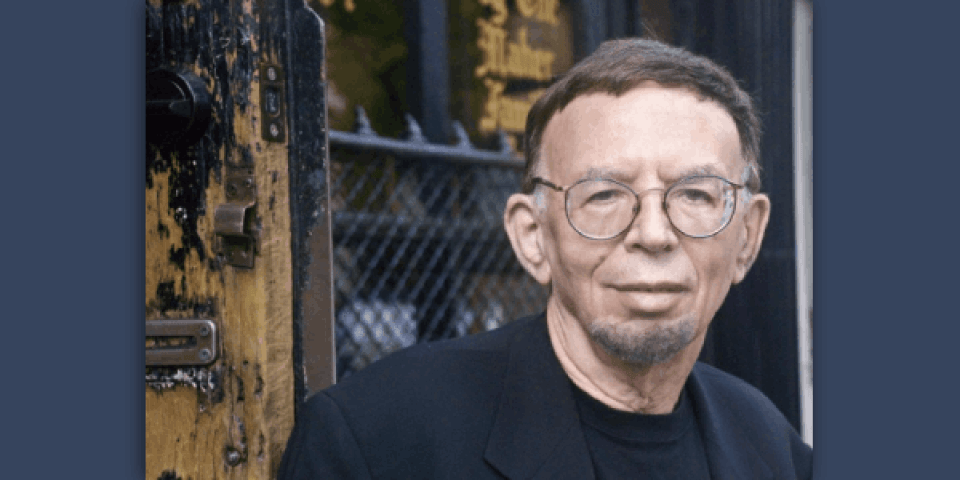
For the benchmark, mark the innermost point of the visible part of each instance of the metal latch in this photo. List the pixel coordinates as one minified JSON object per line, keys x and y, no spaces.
{"x":233,"y":221}
{"x":180,"y":342}
{"x":272,"y":102}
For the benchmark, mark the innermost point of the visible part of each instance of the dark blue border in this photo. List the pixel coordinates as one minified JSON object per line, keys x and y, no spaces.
{"x":886,"y":321}
{"x":72,"y":230}
{"x":885,"y":261}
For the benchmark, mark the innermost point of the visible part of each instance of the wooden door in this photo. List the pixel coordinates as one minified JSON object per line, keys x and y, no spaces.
{"x":237,"y":233}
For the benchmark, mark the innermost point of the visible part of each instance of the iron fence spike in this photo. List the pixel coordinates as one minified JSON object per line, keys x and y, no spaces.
{"x":413,"y":132}
{"x":463,"y":140}
{"x":503,"y":143}
{"x":361,"y":124}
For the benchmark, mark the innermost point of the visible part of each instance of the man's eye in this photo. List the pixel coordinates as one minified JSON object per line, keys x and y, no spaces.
{"x":696,"y":196}
{"x":604,"y":196}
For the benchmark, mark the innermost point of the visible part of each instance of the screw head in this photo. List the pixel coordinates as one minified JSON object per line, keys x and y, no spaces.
{"x":271,"y":73}
{"x":231,"y":190}
{"x":205,"y":354}
{"x":204,"y":331}
{"x":274,"y":130}
{"x":232,"y":457}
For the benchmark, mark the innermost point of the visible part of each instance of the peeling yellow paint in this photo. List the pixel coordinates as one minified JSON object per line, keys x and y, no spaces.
{"x":188,"y":431}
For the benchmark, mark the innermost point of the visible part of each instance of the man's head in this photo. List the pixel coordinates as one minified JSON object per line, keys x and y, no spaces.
{"x":618,"y":66}
{"x":644,"y":116}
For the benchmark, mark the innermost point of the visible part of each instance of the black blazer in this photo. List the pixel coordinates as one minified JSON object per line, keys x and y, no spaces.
{"x":499,"y":405}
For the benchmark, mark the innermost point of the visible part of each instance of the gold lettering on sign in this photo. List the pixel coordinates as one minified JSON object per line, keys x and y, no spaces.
{"x":511,"y":59}
{"x":347,"y":4}
{"x":543,"y":10}
{"x":492,"y":43}
{"x":524,"y":61}
{"x":499,"y":10}
{"x":509,"y":113}
{"x":491,"y":109}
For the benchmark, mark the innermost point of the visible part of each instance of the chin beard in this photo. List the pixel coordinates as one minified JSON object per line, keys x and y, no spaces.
{"x":643,"y":348}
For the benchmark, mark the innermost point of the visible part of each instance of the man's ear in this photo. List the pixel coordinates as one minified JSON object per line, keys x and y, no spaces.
{"x":755,"y":224}
{"x":520,"y":219}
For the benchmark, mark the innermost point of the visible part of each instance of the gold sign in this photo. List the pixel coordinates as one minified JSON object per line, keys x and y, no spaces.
{"x":347,"y":4}
{"x":512,"y":58}
{"x":543,"y":10}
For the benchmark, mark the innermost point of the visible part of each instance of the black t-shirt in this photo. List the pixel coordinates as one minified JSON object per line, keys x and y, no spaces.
{"x":626,"y":445}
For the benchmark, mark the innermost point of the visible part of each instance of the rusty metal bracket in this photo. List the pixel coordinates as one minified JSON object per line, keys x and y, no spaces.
{"x":272,"y":101}
{"x":180,"y":342}
{"x":233,"y":222}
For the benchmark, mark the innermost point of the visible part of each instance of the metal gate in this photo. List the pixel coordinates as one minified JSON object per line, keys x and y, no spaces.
{"x":420,"y":252}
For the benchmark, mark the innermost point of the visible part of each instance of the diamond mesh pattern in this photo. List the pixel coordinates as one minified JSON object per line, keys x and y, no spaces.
{"x":420,"y":253}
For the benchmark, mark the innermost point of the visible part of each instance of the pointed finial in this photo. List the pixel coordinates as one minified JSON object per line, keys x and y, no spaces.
{"x":413,"y":132}
{"x":361,"y":124}
{"x":503,"y":142}
{"x":460,"y":134}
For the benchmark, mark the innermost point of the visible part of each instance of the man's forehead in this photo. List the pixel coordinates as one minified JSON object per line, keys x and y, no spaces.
{"x":601,"y":135}
{"x":674,"y":171}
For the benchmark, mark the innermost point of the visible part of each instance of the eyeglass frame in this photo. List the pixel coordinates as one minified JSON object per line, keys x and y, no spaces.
{"x":636,"y":209}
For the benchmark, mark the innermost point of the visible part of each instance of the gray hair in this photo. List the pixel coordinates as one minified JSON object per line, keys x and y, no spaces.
{"x":619,"y":66}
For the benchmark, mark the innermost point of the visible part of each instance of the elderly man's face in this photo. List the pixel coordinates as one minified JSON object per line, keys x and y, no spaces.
{"x":650,"y":292}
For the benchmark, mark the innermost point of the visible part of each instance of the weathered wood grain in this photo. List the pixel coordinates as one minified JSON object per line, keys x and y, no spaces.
{"x":237,"y":426}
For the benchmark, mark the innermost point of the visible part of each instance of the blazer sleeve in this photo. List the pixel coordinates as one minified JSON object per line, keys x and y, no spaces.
{"x":802,"y":458}
{"x":322,"y":445}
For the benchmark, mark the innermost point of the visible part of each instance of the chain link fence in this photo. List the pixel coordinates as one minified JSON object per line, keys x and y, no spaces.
{"x":420,"y":253}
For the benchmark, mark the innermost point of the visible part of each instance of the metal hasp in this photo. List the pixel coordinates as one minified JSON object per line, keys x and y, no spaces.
{"x":233,"y":221}
{"x":178,"y":107}
{"x":272,"y":101}
{"x":181,"y":342}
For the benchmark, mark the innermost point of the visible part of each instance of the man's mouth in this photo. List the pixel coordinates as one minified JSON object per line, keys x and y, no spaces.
{"x":651,"y":287}
{"x":651,"y":298}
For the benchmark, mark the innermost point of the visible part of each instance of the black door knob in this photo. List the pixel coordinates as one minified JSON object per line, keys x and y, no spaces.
{"x":178,"y":107}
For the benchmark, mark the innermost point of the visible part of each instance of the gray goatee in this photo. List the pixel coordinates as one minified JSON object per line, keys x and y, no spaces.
{"x":648,"y":348}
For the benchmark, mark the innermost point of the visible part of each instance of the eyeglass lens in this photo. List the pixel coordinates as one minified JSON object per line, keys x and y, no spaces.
{"x":697,"y":206}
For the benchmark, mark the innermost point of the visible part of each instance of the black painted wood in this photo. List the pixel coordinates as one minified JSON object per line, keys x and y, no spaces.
{"x":311,"y":239}
{"x":590,"y":26}
{"x":754,"y":335}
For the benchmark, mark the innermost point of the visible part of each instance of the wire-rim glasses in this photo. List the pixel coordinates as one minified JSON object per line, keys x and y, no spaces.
{"x":698,"y":206}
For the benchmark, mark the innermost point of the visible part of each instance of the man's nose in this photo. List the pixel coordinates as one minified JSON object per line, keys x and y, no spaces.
{"x":651,"y":229}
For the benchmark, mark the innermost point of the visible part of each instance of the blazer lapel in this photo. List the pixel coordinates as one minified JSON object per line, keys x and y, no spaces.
{"x":730,"y":452}
{"x":536,"y":433}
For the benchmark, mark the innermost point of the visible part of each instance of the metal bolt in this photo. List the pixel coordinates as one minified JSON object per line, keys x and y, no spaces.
{"x":232,"y":457}
{"x":248,"y":183}
{"x":204,"y":331}
{"x":231,"y":190}
{"x":205,"y":354}
{"x":274,"y":130}
{"x":271,"y":73}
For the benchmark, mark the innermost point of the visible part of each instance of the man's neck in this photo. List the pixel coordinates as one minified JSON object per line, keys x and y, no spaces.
{"x":643,"y":389}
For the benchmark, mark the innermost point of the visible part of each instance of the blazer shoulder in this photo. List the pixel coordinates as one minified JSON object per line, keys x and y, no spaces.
{"x":733,"y":392}
{"x":438,"y":360}
{"x":744,"y":414}
{"x":405,"y":410}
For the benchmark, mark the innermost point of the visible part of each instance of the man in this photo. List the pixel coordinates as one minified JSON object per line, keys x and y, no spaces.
{"x":640,"y":208}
